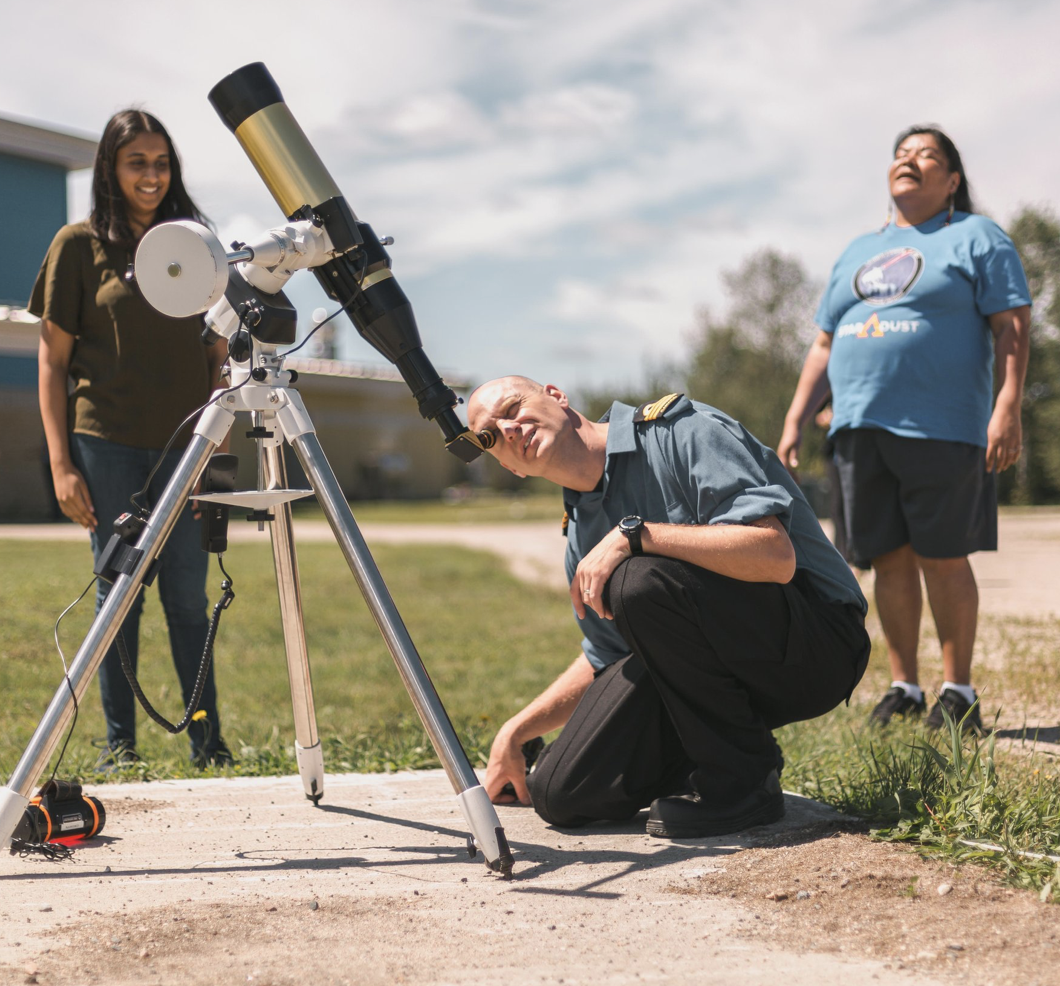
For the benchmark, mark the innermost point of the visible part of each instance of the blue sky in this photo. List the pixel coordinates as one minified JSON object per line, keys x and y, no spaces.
{"x":566,"y":180}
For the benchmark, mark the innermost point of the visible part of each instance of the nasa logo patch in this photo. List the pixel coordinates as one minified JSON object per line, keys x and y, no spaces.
{"x":888,"y":276}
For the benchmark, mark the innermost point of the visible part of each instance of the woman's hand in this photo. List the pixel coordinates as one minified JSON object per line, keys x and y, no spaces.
{"x":1004,"y":438}
{"x":71,"y":491}
{"x":788,"y":446}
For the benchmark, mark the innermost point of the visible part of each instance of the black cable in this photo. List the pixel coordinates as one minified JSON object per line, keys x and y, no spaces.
{"x":38,"y":846}
{"x":135,"y":498}
{"x":319,"y":325}
{"x":204,"y":666}
{"x":53,"y":851}
{"x":358,"y":277}
{"x":66,"y":676}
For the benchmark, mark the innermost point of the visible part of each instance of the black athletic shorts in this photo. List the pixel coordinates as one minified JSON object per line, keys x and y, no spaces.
{"x":935,"y":496}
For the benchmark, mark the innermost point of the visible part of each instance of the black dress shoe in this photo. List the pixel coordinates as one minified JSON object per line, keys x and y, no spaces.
{"x":687,"y":816}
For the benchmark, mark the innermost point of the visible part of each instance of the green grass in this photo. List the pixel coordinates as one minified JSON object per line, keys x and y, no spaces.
{"x":490,"y":644}
{"x":478,"y":508}
{"x":939,"y":791}
{"x":947,"y":795}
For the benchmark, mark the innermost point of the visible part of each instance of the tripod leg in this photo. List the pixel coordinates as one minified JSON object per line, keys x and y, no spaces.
{"x":212,"y":427}
{"x":478,"y":811}
{"x":307,"y":741}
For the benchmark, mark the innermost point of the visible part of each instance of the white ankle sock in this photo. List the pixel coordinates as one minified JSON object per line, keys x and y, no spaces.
{"x":915,"y":692}
{"x":965,"y":691}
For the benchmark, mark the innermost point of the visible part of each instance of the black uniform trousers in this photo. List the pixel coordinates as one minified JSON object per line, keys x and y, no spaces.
{"x":716,"y":665}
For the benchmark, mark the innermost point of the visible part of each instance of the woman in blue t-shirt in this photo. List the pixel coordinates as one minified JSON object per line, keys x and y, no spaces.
{"x":916,"y":319}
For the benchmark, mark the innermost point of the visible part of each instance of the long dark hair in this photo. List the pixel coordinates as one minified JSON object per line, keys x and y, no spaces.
{"x":962,"y":198}
{"x":109,"y":219}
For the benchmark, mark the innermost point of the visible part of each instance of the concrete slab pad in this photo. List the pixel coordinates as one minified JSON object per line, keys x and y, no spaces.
{"x":375,"y":885}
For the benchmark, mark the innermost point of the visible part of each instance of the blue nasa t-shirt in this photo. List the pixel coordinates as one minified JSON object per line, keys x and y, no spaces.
{"x":912,"y":351}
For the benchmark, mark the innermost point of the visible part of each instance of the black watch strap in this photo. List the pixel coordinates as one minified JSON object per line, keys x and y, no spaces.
{"x":631,"y":527}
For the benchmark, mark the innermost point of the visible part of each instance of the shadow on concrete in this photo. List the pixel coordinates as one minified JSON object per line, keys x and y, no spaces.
{"x":805,"y":821}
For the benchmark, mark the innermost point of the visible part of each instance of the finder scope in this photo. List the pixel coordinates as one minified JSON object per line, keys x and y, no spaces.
{"x":358,"y":276}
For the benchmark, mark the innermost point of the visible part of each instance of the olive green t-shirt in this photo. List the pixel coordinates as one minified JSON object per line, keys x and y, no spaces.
{"x":136,"y":372}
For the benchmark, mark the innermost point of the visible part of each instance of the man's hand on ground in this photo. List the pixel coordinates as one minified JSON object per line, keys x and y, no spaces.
{"x":507,"y":765}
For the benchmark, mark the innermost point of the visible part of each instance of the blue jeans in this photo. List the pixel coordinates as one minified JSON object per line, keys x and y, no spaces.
{"x":113,"y":473}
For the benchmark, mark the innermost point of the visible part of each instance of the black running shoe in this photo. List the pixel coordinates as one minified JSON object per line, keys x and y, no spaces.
{"x":897,"y":702}
{"x":961,"y":711}
{"x":217,"y":756}
{"x":687,"y":816}
{"x":116,"y":758}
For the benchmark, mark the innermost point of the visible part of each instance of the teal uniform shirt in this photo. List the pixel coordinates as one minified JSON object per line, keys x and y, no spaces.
{"x":693,"y":465}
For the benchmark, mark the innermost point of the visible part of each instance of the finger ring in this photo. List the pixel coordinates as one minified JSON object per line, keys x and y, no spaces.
{"x":586,"y":593}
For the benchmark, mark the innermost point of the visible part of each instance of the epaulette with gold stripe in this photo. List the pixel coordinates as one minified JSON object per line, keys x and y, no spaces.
{"x":565,"y":523}
{"x":654,"y":410}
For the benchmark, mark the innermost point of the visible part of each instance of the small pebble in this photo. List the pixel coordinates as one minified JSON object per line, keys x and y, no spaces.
{"x":844,"y":881}
{"x":106,"y":869}
{"x":803,"y":895}
{"x":144,"y":953}
{"x":46,"y":908}
{"x":943,"y":889}
{"x":955,"y":948}
{"x":777,"y":895}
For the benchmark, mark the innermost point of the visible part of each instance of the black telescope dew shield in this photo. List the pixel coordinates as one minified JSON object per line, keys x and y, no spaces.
{"x":359,"y":277}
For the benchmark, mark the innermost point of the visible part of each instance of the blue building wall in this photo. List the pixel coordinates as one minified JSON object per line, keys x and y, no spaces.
{"x":32,"y":201}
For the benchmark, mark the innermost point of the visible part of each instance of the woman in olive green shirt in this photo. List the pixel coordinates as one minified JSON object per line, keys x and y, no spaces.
{"x":116,"y":379}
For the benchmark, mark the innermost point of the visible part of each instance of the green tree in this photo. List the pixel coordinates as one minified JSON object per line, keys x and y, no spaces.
{"x":1036,"y":478}
{"x":747,"y":362}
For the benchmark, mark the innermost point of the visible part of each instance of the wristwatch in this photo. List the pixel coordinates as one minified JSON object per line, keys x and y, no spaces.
{"x":631,"y":527}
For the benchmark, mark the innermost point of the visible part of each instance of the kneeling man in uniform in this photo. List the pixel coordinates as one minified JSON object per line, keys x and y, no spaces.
{"x":712,"y":606}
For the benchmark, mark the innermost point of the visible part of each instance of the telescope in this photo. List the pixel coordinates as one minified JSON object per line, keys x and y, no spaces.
{"x":182,"y":269}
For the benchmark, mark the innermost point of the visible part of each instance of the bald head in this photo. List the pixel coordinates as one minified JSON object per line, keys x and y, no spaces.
{"x":536,"y":431}
{"x":510,"y":382}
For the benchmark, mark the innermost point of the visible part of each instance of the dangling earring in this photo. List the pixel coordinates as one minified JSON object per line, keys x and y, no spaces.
{"x":887,"y":218}
{"x":949,"y":215}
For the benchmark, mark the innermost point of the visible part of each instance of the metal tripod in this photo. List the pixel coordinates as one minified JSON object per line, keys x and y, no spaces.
{"x":261,"y":387}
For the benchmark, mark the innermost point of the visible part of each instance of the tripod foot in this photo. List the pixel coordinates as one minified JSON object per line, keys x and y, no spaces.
{"x":311,"y":767}
{"x":12,"y":808}
{"x":486,"y":829}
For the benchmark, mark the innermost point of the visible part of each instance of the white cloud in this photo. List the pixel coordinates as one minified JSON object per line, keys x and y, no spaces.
{"x":602,"y":159}
{"x":598,"y":109}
